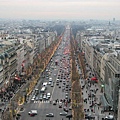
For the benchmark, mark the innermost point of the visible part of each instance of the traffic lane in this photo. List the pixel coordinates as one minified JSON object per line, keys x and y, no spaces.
{"x":58,"y":94}
{"x":43,"y":109}
{"x":50,"y":108}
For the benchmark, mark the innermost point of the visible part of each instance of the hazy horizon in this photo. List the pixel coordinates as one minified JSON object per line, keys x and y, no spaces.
{"x":60,"y":9}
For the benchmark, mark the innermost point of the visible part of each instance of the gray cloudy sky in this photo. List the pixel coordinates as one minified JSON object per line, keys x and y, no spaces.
{"x":60,"y":9}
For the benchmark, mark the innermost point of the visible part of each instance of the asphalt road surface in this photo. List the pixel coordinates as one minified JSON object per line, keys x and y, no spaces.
{"x":58,"y":92}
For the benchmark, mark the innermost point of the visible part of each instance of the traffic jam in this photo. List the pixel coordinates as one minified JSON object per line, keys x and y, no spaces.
{"x":62,"y":82}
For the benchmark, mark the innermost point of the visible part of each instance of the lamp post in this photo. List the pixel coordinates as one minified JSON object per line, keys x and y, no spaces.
{"x":102,"y":88}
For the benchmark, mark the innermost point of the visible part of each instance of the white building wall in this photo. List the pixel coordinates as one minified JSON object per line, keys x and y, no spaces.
{"x":20,"y":58}
{"x":102,"y":68}
{"x":31,"y":57}
{"x":89,"y":51}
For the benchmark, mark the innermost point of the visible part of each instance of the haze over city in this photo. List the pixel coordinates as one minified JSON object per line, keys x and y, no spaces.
{"x":60,"y":9}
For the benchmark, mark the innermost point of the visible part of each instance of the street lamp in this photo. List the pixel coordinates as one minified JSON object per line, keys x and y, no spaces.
{"x":102,"y":86}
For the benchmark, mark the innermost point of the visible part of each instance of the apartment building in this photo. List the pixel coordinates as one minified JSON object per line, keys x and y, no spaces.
{"x":112,"y":80}
{"x":102,"y":55}
{"x":20,"y":57}
{"x":8,"y":63}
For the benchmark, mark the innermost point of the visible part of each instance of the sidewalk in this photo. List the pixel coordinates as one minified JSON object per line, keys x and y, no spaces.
{"x":91,"y":104}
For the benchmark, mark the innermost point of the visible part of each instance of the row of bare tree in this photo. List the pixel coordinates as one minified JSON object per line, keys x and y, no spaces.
{"x":39,"y":64}
{"x":76,"y":93}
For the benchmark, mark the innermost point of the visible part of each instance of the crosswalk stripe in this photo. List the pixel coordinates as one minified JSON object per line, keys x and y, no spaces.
{"x":41,"y":101}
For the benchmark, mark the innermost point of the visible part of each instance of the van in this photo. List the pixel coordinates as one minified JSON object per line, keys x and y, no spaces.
{"x":32,"y":112}
{"x":45,"y":84}
{"x":48,"y":95}
{"x":50,"y":79}
{"x":43,"y":89}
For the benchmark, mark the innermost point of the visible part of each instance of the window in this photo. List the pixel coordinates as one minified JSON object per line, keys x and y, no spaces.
{"x":117,"y":75}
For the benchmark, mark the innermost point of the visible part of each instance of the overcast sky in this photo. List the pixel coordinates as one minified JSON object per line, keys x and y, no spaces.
{"x":60,"y":9}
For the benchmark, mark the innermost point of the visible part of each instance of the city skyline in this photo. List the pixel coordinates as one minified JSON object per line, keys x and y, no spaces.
{"x":60,"y":9}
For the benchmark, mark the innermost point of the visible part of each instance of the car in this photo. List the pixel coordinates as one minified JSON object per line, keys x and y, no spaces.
{"x":63,"y":113}
{"x":66,"y":97}
{"x":66,"y":86}
{"x":65,"y":109}
{"x":66,"y":89}
{"x":60,"y":106}
{"x":32,"y":112}
{"x":50,"y":79}
{"x":33,"y":98}
{"x":50,"y":115}
{"x":41,"y":97}
{"x":52,"y":84}
{"x":47,"y":98}
{"x":66,"y":93}
{"x":57,"y":83}
{"x":49,"y":83}
{"x":59,"y":86}
{"x":37,"y":98}
{"x":89,"y":116}
{"x":64,"y":81}
{"x":54,"y":74}
{"x":48,"y":95}
{"x":109,"y":117}
{"x":60,"y":80}
{"x":54,"y":103}
{"x":44,"y":96}
{"x":69,"y":116}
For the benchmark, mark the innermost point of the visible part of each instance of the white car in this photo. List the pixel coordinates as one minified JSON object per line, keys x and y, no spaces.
{"x":49,"y":83}
{"x":32,"y":112}
{"x":50,"y":79}
{"x":44,"y":96}
{"x":50,"y":115}
{"x":33,"y":98}
{"x":63,"y":113}
{"x":48,"y":95}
